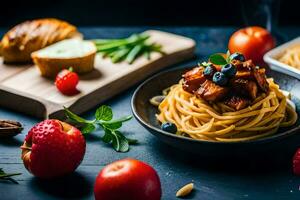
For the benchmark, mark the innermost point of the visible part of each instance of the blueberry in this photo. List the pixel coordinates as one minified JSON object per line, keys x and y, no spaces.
{"x":169,"y":127}
{"x":209,"y":71}
{"x":237,"y":56}
{"x":220,"y":79}
{"x":229,"y":70}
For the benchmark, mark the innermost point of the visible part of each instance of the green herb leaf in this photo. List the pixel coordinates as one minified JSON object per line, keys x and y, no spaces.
{"x":8,"y":177}
{"x":88,"y":128}
{"x":217,"y":59}
{"x":119,"y":142}
{"x":104,"y":113}
{"x":115,"y":125}
{"x":107,"y":136}
{"x":122,"y":119}
{"x":75,"y":117}
{"x":104,"y":119}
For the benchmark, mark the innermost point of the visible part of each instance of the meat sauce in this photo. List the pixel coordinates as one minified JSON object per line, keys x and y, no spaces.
{"x":248,"y":82}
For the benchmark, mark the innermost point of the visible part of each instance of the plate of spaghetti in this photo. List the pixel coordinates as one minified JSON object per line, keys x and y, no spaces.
{"x":227,"y":100}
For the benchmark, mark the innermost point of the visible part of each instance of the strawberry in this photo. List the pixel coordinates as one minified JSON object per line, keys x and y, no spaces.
{"x":53,"y":148}
{"x":296,"y":162}
{"x":66,"y":82}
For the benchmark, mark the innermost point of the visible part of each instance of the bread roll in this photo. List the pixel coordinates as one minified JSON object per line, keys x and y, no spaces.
{"x":18,"y":43}
{"x":75,"y":53}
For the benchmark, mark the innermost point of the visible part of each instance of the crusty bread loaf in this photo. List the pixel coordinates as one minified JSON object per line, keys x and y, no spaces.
{"x":27,"y":37}
{"x":75,"y":53}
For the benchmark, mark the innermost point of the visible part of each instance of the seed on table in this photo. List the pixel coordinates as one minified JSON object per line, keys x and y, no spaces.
{"x":185,"y":190}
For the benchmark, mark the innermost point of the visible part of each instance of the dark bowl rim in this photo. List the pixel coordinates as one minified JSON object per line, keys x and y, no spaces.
{"x":174,"y":136}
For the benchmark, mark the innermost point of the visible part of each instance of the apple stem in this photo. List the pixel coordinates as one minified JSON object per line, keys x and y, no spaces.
{"x":25,"y":148}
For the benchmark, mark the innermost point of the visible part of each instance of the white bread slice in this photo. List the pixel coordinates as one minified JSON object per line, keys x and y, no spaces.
{"x":75,"y":53}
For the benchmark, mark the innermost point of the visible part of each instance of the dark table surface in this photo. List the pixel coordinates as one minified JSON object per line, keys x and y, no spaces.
{"x":214,"y":179}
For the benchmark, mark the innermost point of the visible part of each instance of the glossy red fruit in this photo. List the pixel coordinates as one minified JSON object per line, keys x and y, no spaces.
{"x":127,"y":179}
{"x":66,"y":82}
{"x":53,"y":148}
{"x":253,"y":42}
{"x":296,"y":163}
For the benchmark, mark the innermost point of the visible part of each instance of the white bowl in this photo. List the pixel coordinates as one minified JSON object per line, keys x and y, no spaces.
{"x":272,"y":56}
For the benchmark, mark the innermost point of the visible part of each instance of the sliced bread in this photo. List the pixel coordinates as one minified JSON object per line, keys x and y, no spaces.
{"x":75,"y":53}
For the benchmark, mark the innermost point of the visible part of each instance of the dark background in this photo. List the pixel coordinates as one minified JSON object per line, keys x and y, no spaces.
{"x":140,"y":12}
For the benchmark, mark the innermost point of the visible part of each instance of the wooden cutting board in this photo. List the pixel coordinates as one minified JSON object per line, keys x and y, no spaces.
{"x":24,"y":90}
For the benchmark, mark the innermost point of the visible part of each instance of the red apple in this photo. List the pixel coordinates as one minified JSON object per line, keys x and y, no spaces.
{"x":127,"y":179}
{"x":53,"y":148}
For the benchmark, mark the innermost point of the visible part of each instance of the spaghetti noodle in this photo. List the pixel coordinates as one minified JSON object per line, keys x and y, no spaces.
{"x":215,"y":121}
{"x":291,"y":57}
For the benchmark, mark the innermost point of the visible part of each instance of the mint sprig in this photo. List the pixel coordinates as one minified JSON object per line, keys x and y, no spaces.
{"x":8,"y":177}
{"x":104,"y":120}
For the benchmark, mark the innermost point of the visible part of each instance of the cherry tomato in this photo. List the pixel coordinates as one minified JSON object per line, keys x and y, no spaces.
{"x":127,"y":179}
{"x":253,"y":42}
{"x":66,"y":82}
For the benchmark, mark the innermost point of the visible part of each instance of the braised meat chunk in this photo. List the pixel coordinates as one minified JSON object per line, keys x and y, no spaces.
{"x":193,"y":79}
{"x":237,"y":102}
{"x":245,"y":87}
{"x":210,"y":91}
{"x":260,"y":76}
{"x":236,"y":83}
{"x":243,"y":66}
{"x":248,"y":65}
{"x":244,"y":74}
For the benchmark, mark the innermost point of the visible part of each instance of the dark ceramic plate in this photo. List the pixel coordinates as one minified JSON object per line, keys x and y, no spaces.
{"x":144,"y":112}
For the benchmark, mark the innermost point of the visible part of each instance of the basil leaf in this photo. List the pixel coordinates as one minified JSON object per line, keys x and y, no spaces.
{"x":104,"y":113}
{"x":217,"y":59}
{"x":88,"y":128}
{"x":119,"y":142}
{"x":75,"y":117}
